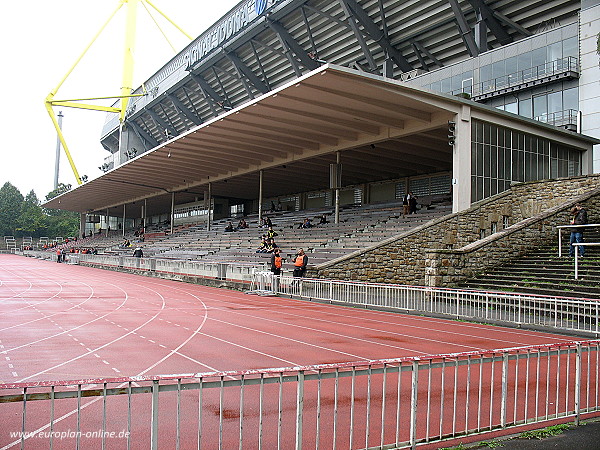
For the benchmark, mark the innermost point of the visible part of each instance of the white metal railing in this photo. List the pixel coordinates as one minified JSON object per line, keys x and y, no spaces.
{"x":563,"y":313}
{"x":582,"y":244}
{"x":233,"y":271}
{"x":560,"y":229}
{"x":381,"y":404}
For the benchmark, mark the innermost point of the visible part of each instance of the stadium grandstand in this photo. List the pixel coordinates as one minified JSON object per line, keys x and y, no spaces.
{"x":341,"y":108}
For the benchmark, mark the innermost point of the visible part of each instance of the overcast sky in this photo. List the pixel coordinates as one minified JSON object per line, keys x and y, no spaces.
{"x":40,"y":40}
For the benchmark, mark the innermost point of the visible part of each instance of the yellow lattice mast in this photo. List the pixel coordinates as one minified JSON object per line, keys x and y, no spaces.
{"x":126,"y":79}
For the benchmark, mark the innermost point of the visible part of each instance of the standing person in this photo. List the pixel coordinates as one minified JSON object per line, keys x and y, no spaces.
{"x":138,"y":253}
{"x":412,"y":203}
{"x":300,"y":261}
{"x":579,"y":218}
{"x":276,"y":262}
{"x":405,"y":204}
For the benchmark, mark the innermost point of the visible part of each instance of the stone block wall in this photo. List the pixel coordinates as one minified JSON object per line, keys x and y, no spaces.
{"x":453,"y":248}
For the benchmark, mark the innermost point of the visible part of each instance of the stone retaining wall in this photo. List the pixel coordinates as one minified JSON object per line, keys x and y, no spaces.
{"x":455,"y":247}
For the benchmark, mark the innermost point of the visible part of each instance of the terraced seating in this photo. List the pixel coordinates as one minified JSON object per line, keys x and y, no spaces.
{"x":359,"y":227}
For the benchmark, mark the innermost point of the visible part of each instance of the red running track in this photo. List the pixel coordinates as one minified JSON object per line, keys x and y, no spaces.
{"x":66,"y":322}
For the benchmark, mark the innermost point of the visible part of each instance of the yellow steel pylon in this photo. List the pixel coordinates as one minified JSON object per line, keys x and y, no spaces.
{"x":127,"y":74}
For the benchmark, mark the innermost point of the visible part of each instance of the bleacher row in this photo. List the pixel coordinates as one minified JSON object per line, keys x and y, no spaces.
{"x":359,"y":227}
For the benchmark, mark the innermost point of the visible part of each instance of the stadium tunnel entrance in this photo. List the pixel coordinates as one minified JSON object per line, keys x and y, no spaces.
{"x":383,"y":131}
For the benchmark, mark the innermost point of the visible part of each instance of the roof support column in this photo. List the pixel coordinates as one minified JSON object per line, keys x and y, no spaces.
{"x":144,"y":214}
{"x":106,"y":220}
{"x":82,"y":219}
{"x":461,"y":160}
{"x":124,"y":205}
{"x":172,"y":210}
{"x":337,"y":189}
{"x":208,"y":206}
{"x":260,"y":194}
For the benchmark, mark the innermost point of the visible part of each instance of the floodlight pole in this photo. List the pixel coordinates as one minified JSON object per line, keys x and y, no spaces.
{"x":57,"y":161}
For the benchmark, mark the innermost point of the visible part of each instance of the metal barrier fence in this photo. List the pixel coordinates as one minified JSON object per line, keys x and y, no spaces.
{"x":232,"y":271}
{"x":368,"y":405}
{"x":563,"y":313}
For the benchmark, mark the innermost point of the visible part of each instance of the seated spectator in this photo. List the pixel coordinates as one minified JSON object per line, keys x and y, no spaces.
{"x":138,"y":253}
{"x":271,"y":233}
{"x":242,"y":224}
{"x":271,"y":246}
{"x":306,"y":224}
{"x":262,"y":248}
{"x":323,"y":219}
{"x":229,"y":227}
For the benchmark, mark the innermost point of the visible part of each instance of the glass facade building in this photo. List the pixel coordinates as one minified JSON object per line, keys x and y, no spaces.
{"x":500,"y":156}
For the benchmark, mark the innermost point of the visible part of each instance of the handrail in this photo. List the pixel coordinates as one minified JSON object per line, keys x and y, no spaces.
{"x":582,"y":244}
{"x":561,"y":227}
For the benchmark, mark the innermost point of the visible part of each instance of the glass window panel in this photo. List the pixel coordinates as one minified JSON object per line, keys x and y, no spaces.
{"x":521,"y":138}
{"x":563,"y":168}
{"x":486,"y":133}
{"x":521,"y":166}
{"x":545,"y":166}
{"x":493,"y":135}
{"x":524,"y":61}
{"x":525,"y":107}
{"x":485,"y":73}
{"x":538,"y":56}
{"x":446,"y":85}
{"x":498,"y":69}
{"x":436,"y":86}
{"x":467,"y":85}
{"x":486,"y":187}
{"x":474,"y":189}
{"x":553,"y":168}
{"x":540,"y":107}
{"x":456,"y":83}
{"x":501,"y":132}
{"x":570,"y":47}
{"x":512,"y":107}
{"x":498,"y":73}
{"x":511,"y":67}
{"x":479,"y":137}
{"x":554,"y":51}
{"x":555,"y":102}
{"x":487,"y":170}
{"x":479,"y":162}
{"x":571,"y":99}
{"x":493,"y":162}
{"x":507,"y":165}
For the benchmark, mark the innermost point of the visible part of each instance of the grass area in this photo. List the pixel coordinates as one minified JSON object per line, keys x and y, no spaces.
{"x":547,"y":432}
{"x":543,"y":433}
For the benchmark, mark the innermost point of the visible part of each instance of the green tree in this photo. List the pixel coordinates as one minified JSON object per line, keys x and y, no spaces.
{"x":10,"y":209}
{"x":32,"y":220}
{"x":61,"y":223}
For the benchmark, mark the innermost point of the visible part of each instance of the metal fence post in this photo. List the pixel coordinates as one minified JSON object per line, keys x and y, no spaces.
{"x":154,"y":428}
{"x":413,"y":404}
{"x":504,"y":390}
{"x":578,"y":381}
{"x":299,"y":410}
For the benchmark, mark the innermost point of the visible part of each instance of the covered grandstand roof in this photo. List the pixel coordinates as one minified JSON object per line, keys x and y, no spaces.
{"x":383,"y":128}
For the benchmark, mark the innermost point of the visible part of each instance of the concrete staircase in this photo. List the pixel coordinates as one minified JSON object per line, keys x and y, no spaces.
{"x":543,"y":272}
